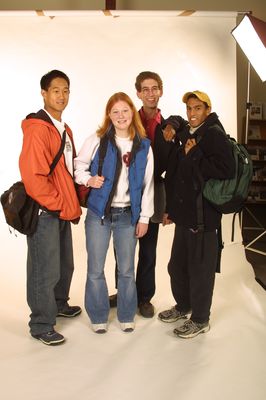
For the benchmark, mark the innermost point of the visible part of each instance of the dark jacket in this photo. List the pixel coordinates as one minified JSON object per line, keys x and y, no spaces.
{"x":211,"y":158}
{"x":162,"y":148}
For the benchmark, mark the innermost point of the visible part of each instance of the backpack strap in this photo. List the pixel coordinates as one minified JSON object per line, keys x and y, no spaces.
{"x":102,"y":152}
{"x":53,"y":165}
{"x":220,"y":248}
{"x":41,"y":114}
{"x":233,"y":224}
{"x":60,"y":152}
{"x":200,"y":219}
{"x":200,"y":222}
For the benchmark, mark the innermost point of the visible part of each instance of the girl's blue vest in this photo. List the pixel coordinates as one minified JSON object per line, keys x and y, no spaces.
{"x":98,"y":198}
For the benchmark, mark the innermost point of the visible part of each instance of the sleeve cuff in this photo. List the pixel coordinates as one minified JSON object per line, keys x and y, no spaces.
{"x":144,"y":220}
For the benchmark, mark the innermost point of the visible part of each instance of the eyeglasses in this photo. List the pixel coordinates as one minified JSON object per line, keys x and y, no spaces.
{"x":153,"y":90}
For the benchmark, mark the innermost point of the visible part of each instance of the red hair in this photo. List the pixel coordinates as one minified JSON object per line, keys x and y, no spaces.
{"x":136,"y":124}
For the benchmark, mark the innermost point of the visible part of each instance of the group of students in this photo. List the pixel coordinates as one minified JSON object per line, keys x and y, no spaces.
{"x":123,"y":163}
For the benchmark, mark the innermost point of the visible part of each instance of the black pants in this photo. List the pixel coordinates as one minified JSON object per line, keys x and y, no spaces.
{"x":145,"y":277}
{"x":192,"y":277}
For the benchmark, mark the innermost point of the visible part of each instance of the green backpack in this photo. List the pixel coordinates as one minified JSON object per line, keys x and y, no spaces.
{"x":229,"y":195}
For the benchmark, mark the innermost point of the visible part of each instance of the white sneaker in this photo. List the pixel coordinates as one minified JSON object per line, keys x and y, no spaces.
{"x":127,"y":326}
{"x":99,"y":328}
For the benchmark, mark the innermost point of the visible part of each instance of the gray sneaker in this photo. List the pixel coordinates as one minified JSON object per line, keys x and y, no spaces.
{"x":171,"y":315}
{"x":190,"y":329}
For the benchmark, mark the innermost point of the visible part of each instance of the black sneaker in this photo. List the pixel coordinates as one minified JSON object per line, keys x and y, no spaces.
{"x":146,"y":310}
{"x":69,"y":311}
{"x":51,"y":338}
{"x":113,"y":300}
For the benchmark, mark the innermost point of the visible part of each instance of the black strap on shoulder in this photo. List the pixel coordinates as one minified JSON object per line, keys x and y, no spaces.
{"x":200,"y":228}
{"x":220,"y":248}
{"x":41,"y":114}
{"x":200,"y":219}
{"x":233,"y":224}
{"x":60,"y":152}
{"x":102,"y":153}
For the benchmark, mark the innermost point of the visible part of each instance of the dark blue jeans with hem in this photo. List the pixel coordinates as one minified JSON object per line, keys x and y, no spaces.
{"x":50,"y":268}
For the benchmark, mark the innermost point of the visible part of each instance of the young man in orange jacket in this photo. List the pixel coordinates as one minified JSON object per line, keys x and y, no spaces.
{"x":50,"y":254}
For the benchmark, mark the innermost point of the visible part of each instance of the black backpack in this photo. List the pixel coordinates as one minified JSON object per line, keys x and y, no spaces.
{"x":21,"y":211}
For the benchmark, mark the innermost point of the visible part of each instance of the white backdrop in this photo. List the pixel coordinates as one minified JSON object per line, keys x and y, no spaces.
{"x":103,"y":55}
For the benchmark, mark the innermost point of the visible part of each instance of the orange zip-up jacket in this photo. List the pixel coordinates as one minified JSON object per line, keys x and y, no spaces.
{"x":41,"y":143}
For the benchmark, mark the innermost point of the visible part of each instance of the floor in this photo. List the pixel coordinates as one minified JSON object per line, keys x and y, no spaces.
{"x":227,"y":363}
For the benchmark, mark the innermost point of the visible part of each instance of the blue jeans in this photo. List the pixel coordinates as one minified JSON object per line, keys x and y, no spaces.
{"x":49,"y":271}
{"x":98,"y":236}
{"x":145,"y":277}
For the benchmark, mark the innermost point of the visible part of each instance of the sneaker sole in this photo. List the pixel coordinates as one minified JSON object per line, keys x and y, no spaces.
{"x":146,"y":315}
{"x":192,"y":335}
{"x":101,"y":331}
{"x":53,"y":343}
{"x":127,"y":327}
{"x":69,"y":316}
{"x":99,"y":328}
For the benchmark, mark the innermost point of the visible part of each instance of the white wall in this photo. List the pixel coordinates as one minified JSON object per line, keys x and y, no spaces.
{"x":257,"y":7}
{"x":103,"y":55}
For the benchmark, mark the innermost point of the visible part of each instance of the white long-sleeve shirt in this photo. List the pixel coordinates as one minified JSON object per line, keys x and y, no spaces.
{"x":121,"y":197}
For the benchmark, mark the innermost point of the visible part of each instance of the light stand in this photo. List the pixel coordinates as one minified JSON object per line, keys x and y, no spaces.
{"x":248,"y":104}
{"x":250,"y":34}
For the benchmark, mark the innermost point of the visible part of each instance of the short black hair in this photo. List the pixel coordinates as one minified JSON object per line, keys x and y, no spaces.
{"x":47,"y":78}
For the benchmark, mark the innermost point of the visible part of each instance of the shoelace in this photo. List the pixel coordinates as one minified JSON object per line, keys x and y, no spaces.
{"x":190,"y":324}
{"x":170,"y":312}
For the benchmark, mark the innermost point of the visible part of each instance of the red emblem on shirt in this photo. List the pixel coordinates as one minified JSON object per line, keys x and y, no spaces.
{"x":126,"y":158}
